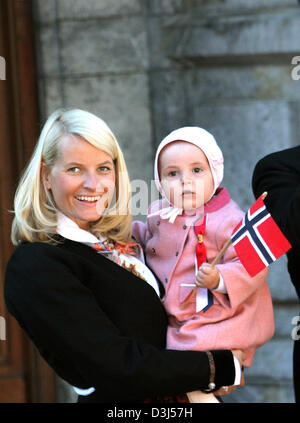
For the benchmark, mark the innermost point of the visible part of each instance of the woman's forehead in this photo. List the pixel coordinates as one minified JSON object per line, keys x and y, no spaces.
{"x":75,"y":148}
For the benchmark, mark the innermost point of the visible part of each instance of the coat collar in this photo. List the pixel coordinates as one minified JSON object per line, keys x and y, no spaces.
{"x":221,"y":198}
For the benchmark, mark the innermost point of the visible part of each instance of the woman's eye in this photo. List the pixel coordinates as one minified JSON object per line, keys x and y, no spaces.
{"x":73,"y":169}
{"x":104,"y":169}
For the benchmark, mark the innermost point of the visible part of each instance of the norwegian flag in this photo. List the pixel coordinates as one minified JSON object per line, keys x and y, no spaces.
{"x":257,"y":239}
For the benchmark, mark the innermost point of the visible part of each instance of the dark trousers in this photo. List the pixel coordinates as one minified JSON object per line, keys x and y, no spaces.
{"x":296,"y":370}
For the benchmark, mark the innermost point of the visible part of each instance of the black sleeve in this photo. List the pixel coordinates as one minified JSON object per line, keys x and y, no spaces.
{"x":79,"y":341}
{"x":279,"y":175}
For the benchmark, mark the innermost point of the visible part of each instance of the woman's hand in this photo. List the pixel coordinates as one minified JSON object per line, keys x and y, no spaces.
{"x":207,"y":276}
{"x":224,"y":390}
{"x":240,"y":355}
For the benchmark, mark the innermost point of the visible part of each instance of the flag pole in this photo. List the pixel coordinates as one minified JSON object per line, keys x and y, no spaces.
{"x":221,"y":253}
{"x":215,"y":261}
{"x":228,"y":243}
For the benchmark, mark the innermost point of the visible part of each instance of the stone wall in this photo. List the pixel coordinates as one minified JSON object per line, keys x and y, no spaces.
{"x":147,"y":67}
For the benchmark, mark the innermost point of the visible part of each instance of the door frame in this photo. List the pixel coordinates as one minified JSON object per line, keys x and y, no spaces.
{"x":21,"y":125}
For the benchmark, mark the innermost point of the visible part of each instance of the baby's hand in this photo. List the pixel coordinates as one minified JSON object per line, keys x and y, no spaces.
{"x":207,"y":276}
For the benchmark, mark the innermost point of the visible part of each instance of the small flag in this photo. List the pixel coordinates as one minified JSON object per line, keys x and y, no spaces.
{"x":257,"y":239}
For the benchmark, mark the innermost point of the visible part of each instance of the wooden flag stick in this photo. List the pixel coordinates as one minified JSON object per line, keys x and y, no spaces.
{"x":228,"y":243}
{"x":182,"y":306}
{"x":221,"y":253}
{"x":215,"y":261}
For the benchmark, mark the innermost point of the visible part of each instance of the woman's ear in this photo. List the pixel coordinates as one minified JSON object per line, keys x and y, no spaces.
{"x":45,"y":175}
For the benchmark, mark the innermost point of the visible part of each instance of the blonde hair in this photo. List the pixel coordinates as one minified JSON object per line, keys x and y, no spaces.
{"x":35,"y":211}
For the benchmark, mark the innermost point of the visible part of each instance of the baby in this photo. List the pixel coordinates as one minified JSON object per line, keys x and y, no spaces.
{"x":183,"y":234}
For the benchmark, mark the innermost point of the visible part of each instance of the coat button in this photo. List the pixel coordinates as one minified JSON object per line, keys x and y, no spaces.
{"x":177,"y":253}
{"x":166,"y":280}
{"x":153,"y":250}
{"x":184,"y":226}
{"x":158,"y":223}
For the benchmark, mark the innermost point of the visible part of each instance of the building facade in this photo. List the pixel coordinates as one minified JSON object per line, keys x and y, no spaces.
{"x":150,"y":66}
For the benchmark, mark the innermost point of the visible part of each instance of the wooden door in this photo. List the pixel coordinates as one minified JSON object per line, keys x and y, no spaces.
{"x":24,"y":376}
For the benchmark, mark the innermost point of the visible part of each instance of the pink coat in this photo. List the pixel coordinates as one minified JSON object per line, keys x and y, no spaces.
{"x":242,"y":318}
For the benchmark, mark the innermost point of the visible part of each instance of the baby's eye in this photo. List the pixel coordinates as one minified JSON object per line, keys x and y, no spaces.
{"x":197,"y":170}
{"x":172,"y":173}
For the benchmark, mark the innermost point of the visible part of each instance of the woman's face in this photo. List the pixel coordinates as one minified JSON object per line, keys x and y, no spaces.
{"x":82,"y":180}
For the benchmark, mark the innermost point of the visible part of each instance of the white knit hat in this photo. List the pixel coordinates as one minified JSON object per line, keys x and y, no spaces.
{"x":202,"y":139}
{"x":206,"y":142}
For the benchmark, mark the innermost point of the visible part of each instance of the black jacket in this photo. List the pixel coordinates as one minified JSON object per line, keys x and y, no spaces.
{"x":99,"y":325}
{"x":279,"y":175}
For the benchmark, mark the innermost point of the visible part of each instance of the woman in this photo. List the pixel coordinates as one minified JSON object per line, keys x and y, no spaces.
{"x":100,"y":326}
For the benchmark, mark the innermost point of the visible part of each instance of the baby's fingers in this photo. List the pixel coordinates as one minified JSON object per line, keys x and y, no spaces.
{"x":206,"y":268}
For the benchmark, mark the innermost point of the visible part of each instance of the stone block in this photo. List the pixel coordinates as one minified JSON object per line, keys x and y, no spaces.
{"x":169,"y":102}
{"x":214,"y":83}
{"x":237,"y":36}
{"x":280,"y":283}
{"x":50,"y":96}
{"x":177,"y":93}
{"x":279,"y":392}
{"x":44,"y":11}
{"x":169,"y":6}
{"x":215,"y":6}
{"x":269,"y":379}
{"x":279,"y":362}
{"x":97,"y":9}
{"x":285,"y":320}
{"x":48,"y":51}
{"x":95,"y":47}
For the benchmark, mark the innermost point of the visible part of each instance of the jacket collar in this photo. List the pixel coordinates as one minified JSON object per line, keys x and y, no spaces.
{"x":220,"y":199}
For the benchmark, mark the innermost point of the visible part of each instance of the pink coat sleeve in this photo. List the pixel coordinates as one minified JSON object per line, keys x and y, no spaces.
{"x":239,"y":285}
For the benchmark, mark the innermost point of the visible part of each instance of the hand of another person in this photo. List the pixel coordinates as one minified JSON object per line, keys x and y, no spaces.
{"x":224,"y":390}
{"x":207,"y":276}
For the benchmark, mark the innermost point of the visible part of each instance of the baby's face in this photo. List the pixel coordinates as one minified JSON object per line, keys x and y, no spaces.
{"x":185,"y":175}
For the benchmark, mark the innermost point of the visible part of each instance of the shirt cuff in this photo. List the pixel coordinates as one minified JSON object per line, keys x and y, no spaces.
{"x":238,"y":372}
{"x":221,"y":287}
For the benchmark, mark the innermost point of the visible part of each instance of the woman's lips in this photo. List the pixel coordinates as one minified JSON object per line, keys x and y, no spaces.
{"x":88,"y":199}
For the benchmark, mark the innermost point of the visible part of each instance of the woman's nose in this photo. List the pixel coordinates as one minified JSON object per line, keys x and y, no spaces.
{"x":91,"y":181}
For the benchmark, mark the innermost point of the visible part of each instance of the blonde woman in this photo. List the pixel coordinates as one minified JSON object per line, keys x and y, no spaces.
{"x":77,"y":284}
